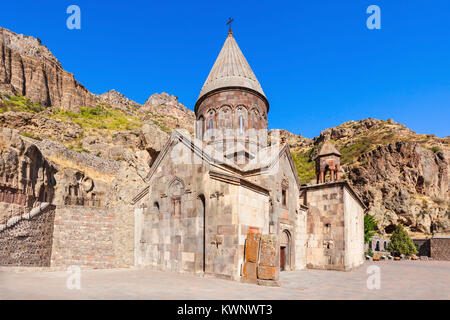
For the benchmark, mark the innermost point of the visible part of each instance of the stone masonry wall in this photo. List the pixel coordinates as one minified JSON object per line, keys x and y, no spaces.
{"x":440,"y":248}
{"x":326,"y":235}
{"x":233,"y":104}
{"x":83,"y":236}
{"x":29,"y":242}
{"x":354,"y":231}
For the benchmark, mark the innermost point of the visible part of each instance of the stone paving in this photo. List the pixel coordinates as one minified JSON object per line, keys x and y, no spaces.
{"x":399,"y":280}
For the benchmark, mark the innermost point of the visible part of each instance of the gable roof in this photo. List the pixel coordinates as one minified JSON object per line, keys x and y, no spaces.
{"x":327,"y":149}
{"x":270,"y":157}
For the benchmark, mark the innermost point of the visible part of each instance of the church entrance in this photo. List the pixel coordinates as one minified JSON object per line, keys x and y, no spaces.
{"x":282,"y":258}
{"x":285,"y":251}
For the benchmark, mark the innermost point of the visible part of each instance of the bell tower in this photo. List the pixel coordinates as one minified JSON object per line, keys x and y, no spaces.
{"x":328,"y":160}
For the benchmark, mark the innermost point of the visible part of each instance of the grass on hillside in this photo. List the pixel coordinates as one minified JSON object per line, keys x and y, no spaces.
{"x":306,"y":168}
{"x":18,"y":104}
{"x":353,"y":151}
{"x":29,"y":135}
{"x":158,"y":120}
{"x":100,"y":117}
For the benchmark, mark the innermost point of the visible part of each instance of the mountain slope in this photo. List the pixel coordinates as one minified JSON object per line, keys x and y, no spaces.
{"x":402,"y":176}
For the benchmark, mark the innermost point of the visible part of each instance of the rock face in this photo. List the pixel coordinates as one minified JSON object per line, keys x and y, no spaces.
{"x":26,"y":177}
{"x":118,"y":100}
{"x":38,"y":125}
{"x":405,"y":183}
{"x":402,"y":176}
{"x":169,"y":112}
{"x":164,"y":99}
{"x":29,"y":68}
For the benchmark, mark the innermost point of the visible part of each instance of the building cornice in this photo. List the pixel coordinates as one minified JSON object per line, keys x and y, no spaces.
{"x":342,"y":183}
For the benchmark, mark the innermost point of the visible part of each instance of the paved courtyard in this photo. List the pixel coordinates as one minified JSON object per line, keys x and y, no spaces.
{"x":399,"y":280}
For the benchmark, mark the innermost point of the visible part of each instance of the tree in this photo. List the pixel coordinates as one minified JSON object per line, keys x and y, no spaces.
{"x":401,"y":243}
{"x":370,"y":225}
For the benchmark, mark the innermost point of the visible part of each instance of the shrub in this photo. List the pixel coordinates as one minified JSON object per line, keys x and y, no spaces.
{"x":370,"y":225}
{"x":401,"y":243}
{"x":435,"y":149}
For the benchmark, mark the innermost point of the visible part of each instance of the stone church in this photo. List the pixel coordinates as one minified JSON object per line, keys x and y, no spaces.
{"x":208,"y":196}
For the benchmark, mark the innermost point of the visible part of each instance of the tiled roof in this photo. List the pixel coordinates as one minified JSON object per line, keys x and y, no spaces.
{"x":231,"y":69}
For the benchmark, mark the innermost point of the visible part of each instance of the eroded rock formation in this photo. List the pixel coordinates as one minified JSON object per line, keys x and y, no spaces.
{"x":405,"y":183}
{"x":26,"y":177}
{"x":30,"y":69}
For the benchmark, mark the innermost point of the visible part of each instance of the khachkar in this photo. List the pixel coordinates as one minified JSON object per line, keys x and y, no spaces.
{"x":261,"y":260}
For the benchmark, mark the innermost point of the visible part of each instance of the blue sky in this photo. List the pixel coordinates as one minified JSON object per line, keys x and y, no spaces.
{"x":317,"y":62}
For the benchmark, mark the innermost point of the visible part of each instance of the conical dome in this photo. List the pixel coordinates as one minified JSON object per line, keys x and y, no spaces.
{"x":231,"y":69}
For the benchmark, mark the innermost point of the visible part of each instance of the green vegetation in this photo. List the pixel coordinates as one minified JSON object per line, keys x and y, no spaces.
{"x":100,"y":117}
{"x":19,"y":104}
{"x":78,"y":148}
{"x":370,"y":226}
{"x":306,"y":168}
{"x":435,"y":149}
{"x":351,"y":153}
{"x":161,"y":125}
{"x":29,"y":135}
{"x":401,"y":243}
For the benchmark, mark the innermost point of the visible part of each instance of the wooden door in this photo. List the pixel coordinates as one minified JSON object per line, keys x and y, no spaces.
{"x":282,"y":258}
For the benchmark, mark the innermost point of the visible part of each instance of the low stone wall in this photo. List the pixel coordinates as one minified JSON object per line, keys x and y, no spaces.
{"x":29,"y":241}
{"x":83,"y":236}
{"x":440,"y":248}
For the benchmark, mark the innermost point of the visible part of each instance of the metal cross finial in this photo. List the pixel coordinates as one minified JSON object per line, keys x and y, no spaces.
{"x":229,"y":22}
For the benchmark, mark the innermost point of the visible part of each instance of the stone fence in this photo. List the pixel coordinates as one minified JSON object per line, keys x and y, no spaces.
{"x":26,"y":240}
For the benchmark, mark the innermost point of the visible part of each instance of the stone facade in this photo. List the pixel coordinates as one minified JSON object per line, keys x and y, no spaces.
{"x":335,"y":227}
{"x":195,"y":216}
{"x":230,"y":113}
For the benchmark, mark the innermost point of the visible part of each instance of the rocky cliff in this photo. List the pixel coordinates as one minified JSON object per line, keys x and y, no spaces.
{"x":402,"y":176}
{"x":30,"y":69}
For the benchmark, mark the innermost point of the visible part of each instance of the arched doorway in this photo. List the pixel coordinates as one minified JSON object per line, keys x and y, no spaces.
{"x":285,"y":250}
{"x":201,"y":214}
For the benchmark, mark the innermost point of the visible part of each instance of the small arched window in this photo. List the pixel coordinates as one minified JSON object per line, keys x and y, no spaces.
{"x":211,"y":128}
{"x":241,"y":124}
{"x":200,"y":125}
